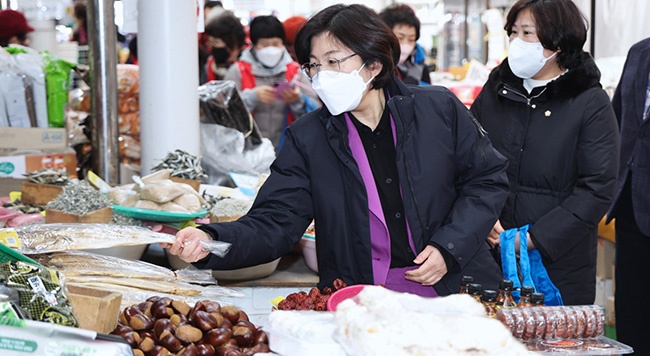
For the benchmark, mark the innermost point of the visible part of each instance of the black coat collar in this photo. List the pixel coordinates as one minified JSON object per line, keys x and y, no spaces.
{"x":584,"y":76}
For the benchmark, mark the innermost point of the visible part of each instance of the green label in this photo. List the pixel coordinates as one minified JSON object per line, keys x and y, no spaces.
{"x":7,"y":343}
{"x":7,"y":167}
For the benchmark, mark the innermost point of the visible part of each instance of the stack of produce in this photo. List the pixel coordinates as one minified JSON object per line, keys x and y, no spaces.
{"x":160,"y":326}
{"x":314,"y":300}
{"x":79,"y":198}
{"x":157,"y":192}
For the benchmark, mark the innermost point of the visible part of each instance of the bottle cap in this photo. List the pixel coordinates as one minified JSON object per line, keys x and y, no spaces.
{"x":537,"y":298}
{"x":506,"y":284}
{"x":475,"y":288}
{"x":466,"y":280}
{"x":489,"y":295}
{"x":527,"y":290}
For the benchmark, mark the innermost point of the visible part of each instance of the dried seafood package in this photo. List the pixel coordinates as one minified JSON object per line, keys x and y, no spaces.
{"x":46,"y":238}
{"x":40,"y":290}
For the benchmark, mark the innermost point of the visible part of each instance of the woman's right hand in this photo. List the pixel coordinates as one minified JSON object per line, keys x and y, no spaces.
{"x":188,"y":245}
{"x":495,"y":235}
{"x":265,"y":94}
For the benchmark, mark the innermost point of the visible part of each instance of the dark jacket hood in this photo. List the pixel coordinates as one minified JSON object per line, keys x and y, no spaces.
{"x":584,"y":76}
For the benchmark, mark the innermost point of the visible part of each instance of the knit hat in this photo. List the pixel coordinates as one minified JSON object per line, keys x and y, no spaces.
{"x":291,"y":27}
{"x":266,"y":27}
{"x":13,"y":23}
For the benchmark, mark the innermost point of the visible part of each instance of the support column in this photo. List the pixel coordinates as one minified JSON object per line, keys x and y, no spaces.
{"x":103,"y":83}
{"x":169,"y":78}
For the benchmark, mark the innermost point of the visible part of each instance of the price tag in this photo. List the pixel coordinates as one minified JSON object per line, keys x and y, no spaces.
{"x":97,"y":182}
{"x":15,"y":196}
{"x":9,"y":237}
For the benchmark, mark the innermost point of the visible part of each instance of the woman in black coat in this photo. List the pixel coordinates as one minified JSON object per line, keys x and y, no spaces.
{"x":545,"y":111}
{"x":402,"y":184}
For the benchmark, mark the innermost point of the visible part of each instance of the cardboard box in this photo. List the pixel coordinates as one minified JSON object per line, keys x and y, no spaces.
{"x":100,"y":216}
{"x":606,"y":253}
{"x":16,"y":166}
{"x":95,"y":309}
{"x":39,"y":194}
{"x":32,"y":138}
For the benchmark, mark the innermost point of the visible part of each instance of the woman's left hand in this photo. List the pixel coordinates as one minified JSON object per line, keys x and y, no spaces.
{"x":432,"y":267}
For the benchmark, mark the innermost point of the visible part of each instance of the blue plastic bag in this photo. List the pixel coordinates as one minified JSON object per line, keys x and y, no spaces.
{"x":529,"y":269}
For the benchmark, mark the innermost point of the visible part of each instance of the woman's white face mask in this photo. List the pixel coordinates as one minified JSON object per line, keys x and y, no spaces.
{"x":526,"y":58}
{"x":269,"y":56}
{"x":406,"y":50}
{"x":340,"y":92}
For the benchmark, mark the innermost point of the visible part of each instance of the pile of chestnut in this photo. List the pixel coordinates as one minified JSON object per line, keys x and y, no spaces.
{"x":163,"y":326}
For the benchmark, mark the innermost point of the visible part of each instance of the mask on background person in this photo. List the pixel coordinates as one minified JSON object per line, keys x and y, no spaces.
{"x":340,"y":92}
{"x":269,"y":56}
{"x":526,"y":58}
{"x":406,"y":50}
{"x":220,"y":55}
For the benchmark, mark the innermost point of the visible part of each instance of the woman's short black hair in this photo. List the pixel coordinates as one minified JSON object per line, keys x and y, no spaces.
{"x":401,"y":14}
{"x":559,"y":25}
{"x":361,"y":30}
{"x":266,"y":27}
{"x":229,"y":29}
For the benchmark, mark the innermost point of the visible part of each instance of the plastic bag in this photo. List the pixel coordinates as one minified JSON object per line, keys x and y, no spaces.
{"x":223,"y":150}
{"x":30,"y":63}
{"x":46,"y":238}
{"x":220,"y":103}
{"x":41,"y":292}
{"x":57,"y":81}
{"x":15,"y":92}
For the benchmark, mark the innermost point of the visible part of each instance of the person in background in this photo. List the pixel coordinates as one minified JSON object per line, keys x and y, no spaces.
{"x":266,"y":75}
{"x":212,"y":9}
{"x":547,"y":113}
{"x":80,"y":33}
{"x":406,"y":26}
{"x":133,"y":51}
{"x":291,"y":27}
{"x":631,"y":207}
{"x":401,"y":183}
{"x":13,"y":28}
{"x":226,"y":40}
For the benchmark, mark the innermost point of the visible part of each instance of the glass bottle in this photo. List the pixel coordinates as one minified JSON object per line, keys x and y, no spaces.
{"x":537,"y":299}
{"x":464,"y":284}
{"x":504,"y":299}
{"x":489,"y":300}
{"x":526,"y":292}
{"x":475,"y":291}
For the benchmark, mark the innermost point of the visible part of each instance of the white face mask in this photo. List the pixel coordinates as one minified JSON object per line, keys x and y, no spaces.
{"x":526,"y":58}
{"x":340,"y":92}
{"x":406,"y":50}
{"x":270,"y":56}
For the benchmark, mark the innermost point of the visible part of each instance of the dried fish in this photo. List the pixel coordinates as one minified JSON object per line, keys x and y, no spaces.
{"x":79,"y":198}
{"x":48,"y":176}
{"x":23,"y":208}
{"x":183,"y":165}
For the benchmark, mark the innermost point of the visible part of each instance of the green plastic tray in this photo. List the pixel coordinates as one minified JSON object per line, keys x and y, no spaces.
{"x":156,"y":215}
{"x":7,"y":254}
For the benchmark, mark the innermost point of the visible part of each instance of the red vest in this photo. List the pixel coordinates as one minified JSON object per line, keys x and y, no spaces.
{"x":248,"y":79}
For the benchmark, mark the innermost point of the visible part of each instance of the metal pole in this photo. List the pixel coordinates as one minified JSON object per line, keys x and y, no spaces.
{"x":103,"y":78}
{"x":592,"y":40}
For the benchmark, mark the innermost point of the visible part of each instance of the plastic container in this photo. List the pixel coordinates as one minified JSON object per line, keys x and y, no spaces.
{"x":343,"y":294}
{"x":308,"y":247}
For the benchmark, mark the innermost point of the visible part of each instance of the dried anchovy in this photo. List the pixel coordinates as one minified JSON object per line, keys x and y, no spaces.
{"x":23,"y":208}
{"x":119,"y":219}
{"x":183,"y":164}
{"x":211,"y":200}
{"x":79,"y":198}
{"x":48,"y":176}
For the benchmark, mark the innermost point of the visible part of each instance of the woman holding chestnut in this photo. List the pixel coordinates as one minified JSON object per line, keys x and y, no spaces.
{"x":402,"y":184}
